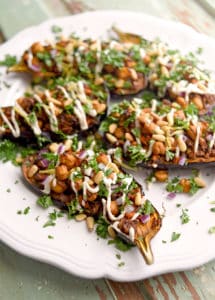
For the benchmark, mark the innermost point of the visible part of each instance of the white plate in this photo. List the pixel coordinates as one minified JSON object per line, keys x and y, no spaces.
{"x":73,"y":248}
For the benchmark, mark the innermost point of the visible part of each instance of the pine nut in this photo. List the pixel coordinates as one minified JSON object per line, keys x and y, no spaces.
{"x":98,"y":177}
{"x":158,"y":130}
{"x":80,"y":217}
{"x":162,"y":123}
{"x":182,"y":145}
{"x":112,"y":127}
{"x":111,"y":232}
{"x":133,"y":74}
{"x":33,"y":170}
{"x":112,"y":139}
{"x":164,"y":71}
{"x":68,"y":144}
{"x":170,"y":118}
{"x":90,"y":223}
{"x":200,"y":182}
{"x":129,"y":137}
{"x":138,"y":199}
{"x":159,"y":137}
{"x":113,"y":167}
{"x":119,"y":83}
{"x":53,"y":147}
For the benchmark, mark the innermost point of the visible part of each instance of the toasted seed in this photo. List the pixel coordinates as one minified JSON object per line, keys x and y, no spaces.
{"x":111,"y":232}
{"x":166,"y":128}
{"x":153,"y":77}
{"x":158,"y":130}
{"x":129,"y":137}
{"x":53,"y":147}
{"x":169,"y":141}
{"x":133,"y":74}
{"x":164,"y":71}
{"x":162,"y":123}
{"x":200,"y":182}
{"x":90,"y":223}
{"x":119,"y":83}
{"x":159,"y":137}
{"x":112,"y":127}
{"x":170,"y":118}
{"x":80,"y":217}
{"x":68,"y":144}
{"x":112,"y":139}
{"x":33,"y":170}
{"x":138,"y":199}
{"x":113,"y":167}
{"x":182,"y":145}
{"x":98,"y":177}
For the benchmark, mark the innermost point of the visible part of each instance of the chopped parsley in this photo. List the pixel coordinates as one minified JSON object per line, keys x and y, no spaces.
{"x":121,"y":264}
{"x":8,"y":61}
{"x":212,"y":209}
{"x":9,"y":151}
{"x":73,"y":209}
{"x":45,"y":201}
{"x":169,"y":155}
{"x":136,"y":154}
{"x":120,"y":244}
{"x":113,"y":57}
{"x":191,"y":110}
{"x":175,"y":236}
{"x":102,"y":228}
{"x":174,"y":186}
{"x":211,"y":230}
{"x":52,"y":158}
{"x":56,"y":29}
{"x":49,"y":223}
{"x":184,"y":216}
{"x":50,"y":237}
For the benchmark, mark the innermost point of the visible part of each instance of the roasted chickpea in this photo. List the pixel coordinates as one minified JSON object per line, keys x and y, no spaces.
{"x":161,"y":175}
{"x":61,"y":172}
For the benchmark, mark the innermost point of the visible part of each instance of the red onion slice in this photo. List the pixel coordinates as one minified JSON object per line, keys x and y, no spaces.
{"x":171,"y":195}
{"x":144,"y":218}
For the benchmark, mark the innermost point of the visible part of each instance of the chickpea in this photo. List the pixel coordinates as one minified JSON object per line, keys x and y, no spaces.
{"x":68,"y":159}
{"x":61,"y":172}
{"x":58,"y":186}
{"x":147,"y":59}
{"x":102,"y":158}
{"x":78,"y":184}
{"x":114,"y":208}
{"x":185,"y":183}
{"x":159,"y":148}
{"x":161,"y":175}
{"x":123,"y":73}
{"x":99,"y":107}
{"x":91,"y":196}
{"x":37,"y":47}
{"x":191,"y":132}
{"x":119,"y":132}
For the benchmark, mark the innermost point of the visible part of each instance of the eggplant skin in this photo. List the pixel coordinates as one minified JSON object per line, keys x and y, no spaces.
{"x":188,"y":165}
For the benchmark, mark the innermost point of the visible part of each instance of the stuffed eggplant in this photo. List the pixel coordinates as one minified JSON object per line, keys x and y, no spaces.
{"x":112,"y":63}
{"x":161,"y":133}
{"x":84,"y":181}
{"x":63,"y":111}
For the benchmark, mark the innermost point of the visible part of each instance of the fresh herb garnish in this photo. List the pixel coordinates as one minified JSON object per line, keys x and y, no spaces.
{"x":184,"y":216}
{"x":102,"y":228}
{"x":56,"y":29}
{"x":45,"y":201}
{"x":8,"y":61}
{"x":120,"y":244}
{"x":212,"y":209}
{"x":211,"y":230}
{"x":175,"y":236}
{"x":174,"y":185}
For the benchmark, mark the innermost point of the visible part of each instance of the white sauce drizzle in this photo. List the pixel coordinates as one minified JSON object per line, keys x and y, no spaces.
{"x":14,"y":128}
{"x":196,"y":145}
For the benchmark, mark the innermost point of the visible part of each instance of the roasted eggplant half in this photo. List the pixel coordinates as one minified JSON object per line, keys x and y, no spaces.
{"x":55,"y":114}
{"x":84,"y":181}
{"x":113,"y":63}
{"x":161,"y":133}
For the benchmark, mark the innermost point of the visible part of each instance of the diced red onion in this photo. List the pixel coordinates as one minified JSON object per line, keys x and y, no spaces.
{"x":119,"y":201}
{"x":171,"y":195}
{"x":61,"y":149}
{"x":182,"y":160}
{"x":35,"y":68}
{"x":144,"y":218}
{"x":129,"y":208}
{"x":82,"y":154}
{"x":53,"y":53}
{"x":44,"y":163}
{"x":209,"y":137}
{"x":184,"y":137}
{"x":182,"y":94}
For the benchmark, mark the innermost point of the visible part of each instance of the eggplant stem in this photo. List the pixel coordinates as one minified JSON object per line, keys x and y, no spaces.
{"x":143,"y":245}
